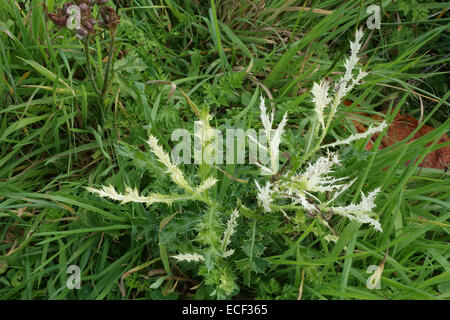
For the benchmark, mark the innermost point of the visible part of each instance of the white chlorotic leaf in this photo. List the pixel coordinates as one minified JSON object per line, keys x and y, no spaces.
{"x":369,"y":132}
{"x":265,"y":195}
{"x":347,"y":82}
{"x":275,"y":144}
{"x":351,"y":62}
{"x":316,"y":177}
{"x":306,"y":204}
{"x":228,"y":253}
{"x":175,"y":173}
{"x":359,"y":212}
{"x":321,"y":99}
{"x":230,"y":230}
{"x":273,"y":138}
{"x":207,"y":184}
{"x":130,"y":195}
{"x":267,"y":123}
{"x":189,"y":257}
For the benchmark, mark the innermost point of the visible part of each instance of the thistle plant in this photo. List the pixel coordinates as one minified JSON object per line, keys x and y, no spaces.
{"x":213,"y":239}
{"x":323,"y":101}
{"x":301,"y":188}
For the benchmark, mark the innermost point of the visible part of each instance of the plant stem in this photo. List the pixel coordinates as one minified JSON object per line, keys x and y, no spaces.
{"x":88,"y":64}
{"x":108,"y":65}
{"x":322,"y":136}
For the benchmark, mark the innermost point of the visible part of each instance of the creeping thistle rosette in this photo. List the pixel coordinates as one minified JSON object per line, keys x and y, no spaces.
{"x":301,"y":188}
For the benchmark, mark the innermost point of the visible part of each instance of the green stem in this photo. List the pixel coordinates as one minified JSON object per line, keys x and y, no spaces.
{"x":108,"y":65}
{"x":88,"y":64}
{"x":323,"y":135}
